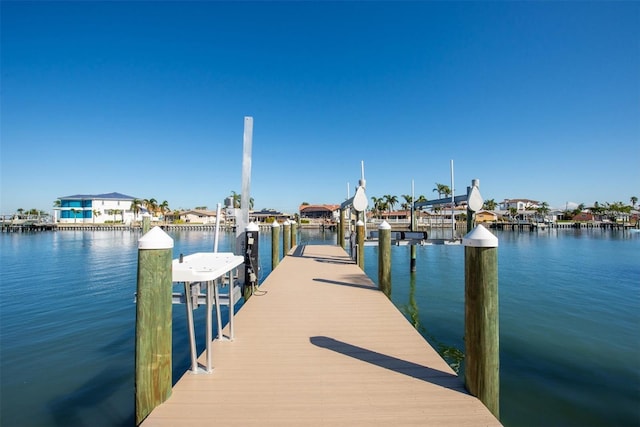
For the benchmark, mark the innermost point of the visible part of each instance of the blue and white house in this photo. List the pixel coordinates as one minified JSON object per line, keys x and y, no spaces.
{"x":95,"y":208}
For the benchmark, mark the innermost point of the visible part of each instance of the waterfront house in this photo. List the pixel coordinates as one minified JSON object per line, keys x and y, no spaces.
{"x":319,"y":213}
{"x":95,"y":208}
{"x":268,"y":216}
{"x":519,"y":204}
{"x":197,"y":216}
{"x":485,"y":216}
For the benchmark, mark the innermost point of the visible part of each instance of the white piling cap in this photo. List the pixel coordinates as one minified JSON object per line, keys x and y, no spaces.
{"x":252,"y":227}
{"x":275,"y":224}
{"x":360,"y":223}
{"x":480,"y":237}
{"x":155,"y":238}
{"x":384,"y":225}
{"x":287,"y":222}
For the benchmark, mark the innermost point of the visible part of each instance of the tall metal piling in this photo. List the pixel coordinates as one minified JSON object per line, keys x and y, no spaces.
{"x":153,"y":322}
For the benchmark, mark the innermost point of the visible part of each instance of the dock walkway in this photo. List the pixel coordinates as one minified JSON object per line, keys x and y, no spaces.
{"x":322,"y":347}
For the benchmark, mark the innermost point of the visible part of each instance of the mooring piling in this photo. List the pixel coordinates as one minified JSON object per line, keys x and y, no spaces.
{"x":275,"y":244}
{"x":360,"y":243}
{"x":153,"y":322}
{"x":294,"y":233}
{"x":482,"y":364}
{"x":384,"y":258}
{"x":286,"y":237}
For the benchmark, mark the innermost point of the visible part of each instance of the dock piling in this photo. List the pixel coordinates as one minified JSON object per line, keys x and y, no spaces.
{"x":275,"y":244}
{"x":360,"y":245}
{"x":153,"y":322}
{"x":286,"y":237}
{"x":482,"y":365}
{"x":294,"y":233}
{"x":384,"y":258}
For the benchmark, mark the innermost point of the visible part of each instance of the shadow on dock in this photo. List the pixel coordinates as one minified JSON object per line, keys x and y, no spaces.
{"x":414,"y":370}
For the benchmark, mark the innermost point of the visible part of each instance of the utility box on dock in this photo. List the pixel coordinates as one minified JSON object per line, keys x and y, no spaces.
{"x":251,"y":260}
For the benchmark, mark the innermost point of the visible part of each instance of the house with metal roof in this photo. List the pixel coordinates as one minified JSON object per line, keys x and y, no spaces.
{"x":95,"y":208}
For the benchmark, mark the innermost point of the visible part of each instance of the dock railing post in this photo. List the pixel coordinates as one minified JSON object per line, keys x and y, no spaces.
{"x":286,"y":237}
{"x":384,"y":258}
{"x":360,"y":249}
{"x":294,"y":233}
{"x":482,"y":364}
{"x":275,"y":244}
{"x":153,"y":322}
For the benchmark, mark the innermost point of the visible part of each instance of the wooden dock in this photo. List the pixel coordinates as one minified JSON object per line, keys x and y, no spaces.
{"x":321,"y":347}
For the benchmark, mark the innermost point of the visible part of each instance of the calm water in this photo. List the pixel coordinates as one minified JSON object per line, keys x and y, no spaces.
{"x":569,"y":322}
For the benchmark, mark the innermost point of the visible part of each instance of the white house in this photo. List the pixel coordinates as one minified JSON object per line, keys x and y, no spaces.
{"x":95,"y":208}
{"x":519,"y":204}
{"x":198,"y":216}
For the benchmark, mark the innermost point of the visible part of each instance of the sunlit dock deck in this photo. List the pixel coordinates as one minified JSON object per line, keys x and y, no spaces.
{"x":322,"y":347}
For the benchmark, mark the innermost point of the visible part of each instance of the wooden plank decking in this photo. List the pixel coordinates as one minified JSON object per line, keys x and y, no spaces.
{"x":322,"y":347}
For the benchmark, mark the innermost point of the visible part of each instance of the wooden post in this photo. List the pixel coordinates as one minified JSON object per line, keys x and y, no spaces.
{"x":482,"y":364}
{"x":412,"y":263}
{"x":341,"y":229}
{"x":384,"y":258}
{"x":286,"y":238}
{"x":146,"y":223}
{"x":360,"y":240}
{"x":153,"y":322}
{"x":275,"y":244}
{"x":294,"y":233}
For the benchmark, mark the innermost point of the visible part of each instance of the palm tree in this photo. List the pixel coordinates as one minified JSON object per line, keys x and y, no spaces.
{"x":19,"y":210}
{"x":489,"y":205}
{"x":151,"y":205}
{"x":237,"y":198}
{"x":96,"y":213}
{"x":442,"y":189}
{"x":407,"y":202}
{"x":390,"y":201}
{"x":633,"y":200}
{"x":74,"y":211}
{"x":542,"y":210}
{"x":164,"y":208}
{"x":136,"y":205}
{"x":375,"y":209}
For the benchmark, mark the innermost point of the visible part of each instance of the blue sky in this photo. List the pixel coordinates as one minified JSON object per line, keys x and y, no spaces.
{"x":537,"y":100}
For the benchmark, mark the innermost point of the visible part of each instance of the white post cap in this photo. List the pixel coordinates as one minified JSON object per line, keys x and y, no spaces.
{"x":480,"y":237}
{"x":275,"y":224}
{"x":252,"y":227}
{"x":287,"y":222}
{"x":155,"y":238}
{"x":360,"y":223}
{"x":384,"y":225}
